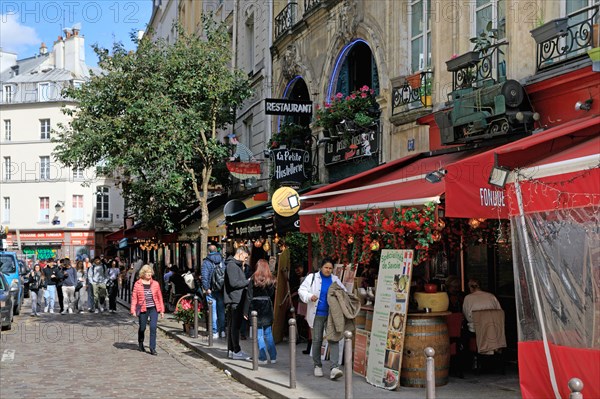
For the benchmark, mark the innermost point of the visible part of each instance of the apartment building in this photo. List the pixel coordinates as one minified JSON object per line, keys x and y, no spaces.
{"x":51,"y":210}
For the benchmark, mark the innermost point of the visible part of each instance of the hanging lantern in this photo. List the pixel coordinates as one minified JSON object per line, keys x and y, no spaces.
{"x":276,"y":239}
{"x":440,"y":225}
{"x":474,"y":223}
{"x":350,"y":239}
{"x":258,"y":244}
{"x":266,"y":246}
{"x":375,"y":245}
{"x":481,"y":220}
{"x":436,"y":235}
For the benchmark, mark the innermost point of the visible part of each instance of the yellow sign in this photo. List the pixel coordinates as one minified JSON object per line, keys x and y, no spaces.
{"x":286,"y":201}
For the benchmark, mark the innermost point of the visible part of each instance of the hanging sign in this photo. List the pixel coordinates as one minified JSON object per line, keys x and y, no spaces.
{"x":291,"y":166}
{"x":275,"y":106}
{"x":254,"y":228}
{"x":389,"y":318}
{"x":285,"y":201}
{"x":357,"y":145}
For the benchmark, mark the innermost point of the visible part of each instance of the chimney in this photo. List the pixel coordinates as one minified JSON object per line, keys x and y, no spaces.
{"x":43,"y":48}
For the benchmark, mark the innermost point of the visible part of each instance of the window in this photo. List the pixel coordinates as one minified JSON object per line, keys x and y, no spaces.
{"x":8,"y":93}
{"x":45,"y":129}
{"x":7,"y":169}
{"x":7,"y":130}
{"x":420,"y":35}
{"x":78,"y":173}
{"x":250,"y":43}
{"x":44,"y":209}
{"x":490,"y":10}
{"x":6,"y":210}
{"x":44,"y":168}
{"x":102,"y":203}
{"x":78,"y":208}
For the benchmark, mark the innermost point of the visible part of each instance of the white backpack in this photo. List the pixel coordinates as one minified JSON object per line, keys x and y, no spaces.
{"x":189,"y":280}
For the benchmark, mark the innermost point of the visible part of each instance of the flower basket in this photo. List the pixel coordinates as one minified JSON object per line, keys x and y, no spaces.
{"x":467,"y":59}
{"x":184,"y":310}
{"x":550,"y":30}
{"x":414,"y":80}
{"x":339,"y":111}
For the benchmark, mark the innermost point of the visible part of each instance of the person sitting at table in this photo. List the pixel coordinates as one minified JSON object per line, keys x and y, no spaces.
{"x":477,"y":300}
{"x":456,"y":297}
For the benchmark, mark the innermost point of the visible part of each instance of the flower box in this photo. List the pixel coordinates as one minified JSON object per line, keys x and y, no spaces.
{"x":465,"y":60}
{"x":414,"y":80}
{"x":550,"y":30}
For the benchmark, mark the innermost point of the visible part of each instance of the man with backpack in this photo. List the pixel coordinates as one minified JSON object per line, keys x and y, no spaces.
{"x":98,"y":279}
{"x":213,"y":279}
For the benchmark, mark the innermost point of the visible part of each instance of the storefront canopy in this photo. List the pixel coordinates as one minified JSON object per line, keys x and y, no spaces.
{"x":468,"y":193}
{"x":405,"y":182}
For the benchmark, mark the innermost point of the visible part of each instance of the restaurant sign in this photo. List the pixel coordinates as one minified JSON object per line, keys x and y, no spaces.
{"x":291,"y":166}
{"x":359,"y":145}
{"x":275,"y":106}
{"x":253,"y":228}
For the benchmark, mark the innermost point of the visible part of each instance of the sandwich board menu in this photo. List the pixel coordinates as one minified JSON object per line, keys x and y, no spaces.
{"x":389,"y":318}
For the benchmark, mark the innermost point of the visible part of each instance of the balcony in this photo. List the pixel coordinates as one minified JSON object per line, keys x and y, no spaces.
{"x":476,"y":69}
{"x":414,"y":93}
{"x":563,"y":39}
{"x":286,"y":19}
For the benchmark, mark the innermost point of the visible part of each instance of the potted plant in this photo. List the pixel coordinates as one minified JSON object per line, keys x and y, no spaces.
{"x":550,"y":30}
{"x":414,"y":80}
{"x":465,"y":60}
{"x":425,"y":89}
{"x":595,"y":56}
{"x":184,"y":312}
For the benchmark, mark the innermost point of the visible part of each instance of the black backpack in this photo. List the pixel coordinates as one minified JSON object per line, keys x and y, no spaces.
{"x":217,"y":281}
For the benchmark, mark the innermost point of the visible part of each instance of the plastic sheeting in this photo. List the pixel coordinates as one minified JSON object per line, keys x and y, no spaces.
{"x":556,"y":258}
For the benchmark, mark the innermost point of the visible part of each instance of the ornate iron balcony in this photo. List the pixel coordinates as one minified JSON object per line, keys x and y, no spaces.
{"x":413,"y":95}
{"x":286,"y":19}
{"x":575,"y":40}
{"x":474,"y":68}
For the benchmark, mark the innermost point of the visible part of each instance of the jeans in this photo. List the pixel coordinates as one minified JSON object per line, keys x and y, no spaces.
{"x":59,"y":293}
{"x":265,"y":336}
{"x":234,"y":323}
{"x":81,"y":297}
{"x":112,"y":297}
{"x":99,"y":294}
{"x":218,"y":312}
{"x":69,"y":297}
{"x":49,"y":296}
{"x":90,"y":295}
{"x":152,"y":314}
{"x":34,"y":301}
{"x":317,"y":341}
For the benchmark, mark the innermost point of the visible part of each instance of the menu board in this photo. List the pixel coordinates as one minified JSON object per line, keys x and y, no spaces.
{"x":361,"y":350}
{"x":389,"y":318}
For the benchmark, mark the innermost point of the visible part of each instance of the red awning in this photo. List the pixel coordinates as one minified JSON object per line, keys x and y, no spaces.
{"x":115,"y":235}
{"x":468,"y":193}
{"x":399,"y":183}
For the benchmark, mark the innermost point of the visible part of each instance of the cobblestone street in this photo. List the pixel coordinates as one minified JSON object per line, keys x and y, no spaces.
{"x":95,"y":355}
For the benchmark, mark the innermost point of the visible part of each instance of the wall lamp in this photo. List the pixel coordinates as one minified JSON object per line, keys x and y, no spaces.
{"x":498,"y":175}
{"x":435,"y":176}
{"x":584,"y":106}
{"x":59,"y":205}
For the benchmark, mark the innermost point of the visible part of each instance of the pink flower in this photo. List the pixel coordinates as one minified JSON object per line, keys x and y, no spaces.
{"x":347,"y":98}
{"x":372,"y":91}
{"x":318,"y":107}
{"x":364,"y":88}
{"x":339,"y":95}
{"x":327,"y":105}
{"x":363,"y":95}
{"x":454,"y":56}
{"x":353,"y":96}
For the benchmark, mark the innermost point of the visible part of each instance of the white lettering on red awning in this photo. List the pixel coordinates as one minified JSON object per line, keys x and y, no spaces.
{"x":491,"y":198}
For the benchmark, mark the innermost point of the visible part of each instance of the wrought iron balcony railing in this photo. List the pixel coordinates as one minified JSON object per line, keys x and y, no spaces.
{"x":311,"y":4}
{"x":580,"y":35}
{"x":475,"y":68}
{"x":410,"y":95}
{"x":286,"y":19}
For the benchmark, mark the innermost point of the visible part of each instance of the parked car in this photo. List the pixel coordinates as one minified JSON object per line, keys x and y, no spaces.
{"x":6,"y":304}
{"x":8,"y":266}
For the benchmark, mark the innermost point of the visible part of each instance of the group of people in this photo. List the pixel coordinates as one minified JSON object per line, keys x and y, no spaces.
{"x":83,"y":286}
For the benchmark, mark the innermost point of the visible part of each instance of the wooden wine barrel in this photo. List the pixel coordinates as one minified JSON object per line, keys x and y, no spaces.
{"x":421,"y":332}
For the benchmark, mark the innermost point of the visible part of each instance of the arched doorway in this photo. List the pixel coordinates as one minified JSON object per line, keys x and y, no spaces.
{"x":296,"y":89}
{"x":354,"y":67}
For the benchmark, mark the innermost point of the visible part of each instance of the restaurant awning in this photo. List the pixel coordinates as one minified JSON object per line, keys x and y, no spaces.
{"x":468,"y":193}
{"x":115,"y":235}
{"x":399,"y":183}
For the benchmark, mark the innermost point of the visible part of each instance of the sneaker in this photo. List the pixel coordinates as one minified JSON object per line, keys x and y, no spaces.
{"x":318,"y":371}
{"x":46,"y":309}
{"x":96,"y":311}
{"x":223,"y":334}
{"x":70,"y":311}
{"x":63,"y":312}
{"x":51,"y":310}
{"x":336,"y":373}
{"x":230,"y":354}
{"x":241,"y":355}
{"x":274,"y":361}
{"x":101,"y":308}
{"x":263,"y":362}
{"x":33,"y":314}
{"x":216,"y":335}
{"x":81,"y":311}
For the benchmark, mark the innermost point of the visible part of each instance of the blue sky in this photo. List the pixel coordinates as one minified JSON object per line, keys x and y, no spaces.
{"x":24,"y":25}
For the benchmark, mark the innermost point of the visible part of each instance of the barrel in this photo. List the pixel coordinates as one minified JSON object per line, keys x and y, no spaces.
{"x":421,"y":332}
{"x":361,"y":319}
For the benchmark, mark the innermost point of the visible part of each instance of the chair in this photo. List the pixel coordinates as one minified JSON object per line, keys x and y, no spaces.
{"x":455,"y":321}
{"x":489,"y":338}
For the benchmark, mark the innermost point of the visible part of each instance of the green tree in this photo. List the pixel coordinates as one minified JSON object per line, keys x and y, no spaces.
{"x":152,"y":116}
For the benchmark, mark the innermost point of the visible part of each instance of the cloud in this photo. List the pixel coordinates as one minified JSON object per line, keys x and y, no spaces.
{"x":15,"y":37}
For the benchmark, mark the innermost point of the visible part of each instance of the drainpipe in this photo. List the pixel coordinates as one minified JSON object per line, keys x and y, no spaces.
{"x":269,"y":80}
{"x":234,"y":40}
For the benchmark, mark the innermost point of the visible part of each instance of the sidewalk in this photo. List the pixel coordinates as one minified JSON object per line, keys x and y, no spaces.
{"x":273,"y":380}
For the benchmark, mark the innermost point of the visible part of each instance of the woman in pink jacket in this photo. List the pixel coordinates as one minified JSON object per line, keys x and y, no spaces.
{"x":147,"y":303}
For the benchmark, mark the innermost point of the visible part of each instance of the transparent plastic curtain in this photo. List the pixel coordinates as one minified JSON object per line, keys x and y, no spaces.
{"x":556,"y":257}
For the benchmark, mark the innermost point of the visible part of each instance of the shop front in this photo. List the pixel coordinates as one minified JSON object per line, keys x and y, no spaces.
{"x":43,"y":245}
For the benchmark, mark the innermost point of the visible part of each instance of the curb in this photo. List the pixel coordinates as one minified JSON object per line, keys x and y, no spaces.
{"x":237,"y":375}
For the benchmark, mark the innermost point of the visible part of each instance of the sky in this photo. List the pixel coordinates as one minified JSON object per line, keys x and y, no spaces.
{"x":24,"y":25}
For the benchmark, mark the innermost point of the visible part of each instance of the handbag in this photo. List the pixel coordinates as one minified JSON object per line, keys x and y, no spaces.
{"x":110,"y":284}
{"x":78,"y":286}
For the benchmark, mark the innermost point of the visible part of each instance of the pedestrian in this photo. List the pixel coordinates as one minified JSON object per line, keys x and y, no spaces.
{"x":234,"y":296}
{"x":81,"y":296}
{"x":35,"y":286}
{"x":68,"y":286}
{"x":213,"y":261}
{"x":59,"y":291}
{"x":261,"y":292}
{"x":129,"y":283}
{"x":87,"y":265}
{"x":98,"y":279}
{"x":52,"y":274}
{"x":146,"y":304}
{"x":113,"y":286}
{"x":313,"y":292}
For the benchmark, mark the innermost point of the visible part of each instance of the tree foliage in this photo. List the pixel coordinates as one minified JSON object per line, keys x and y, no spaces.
{"x":152,"y":115}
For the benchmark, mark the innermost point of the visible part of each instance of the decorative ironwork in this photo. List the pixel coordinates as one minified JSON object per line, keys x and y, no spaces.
{"x":286,"y":19}
{"x":577,"y":39}
{"x":491,"y":67}
{"x":311,"y":4}
{"x":407,"y":97}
